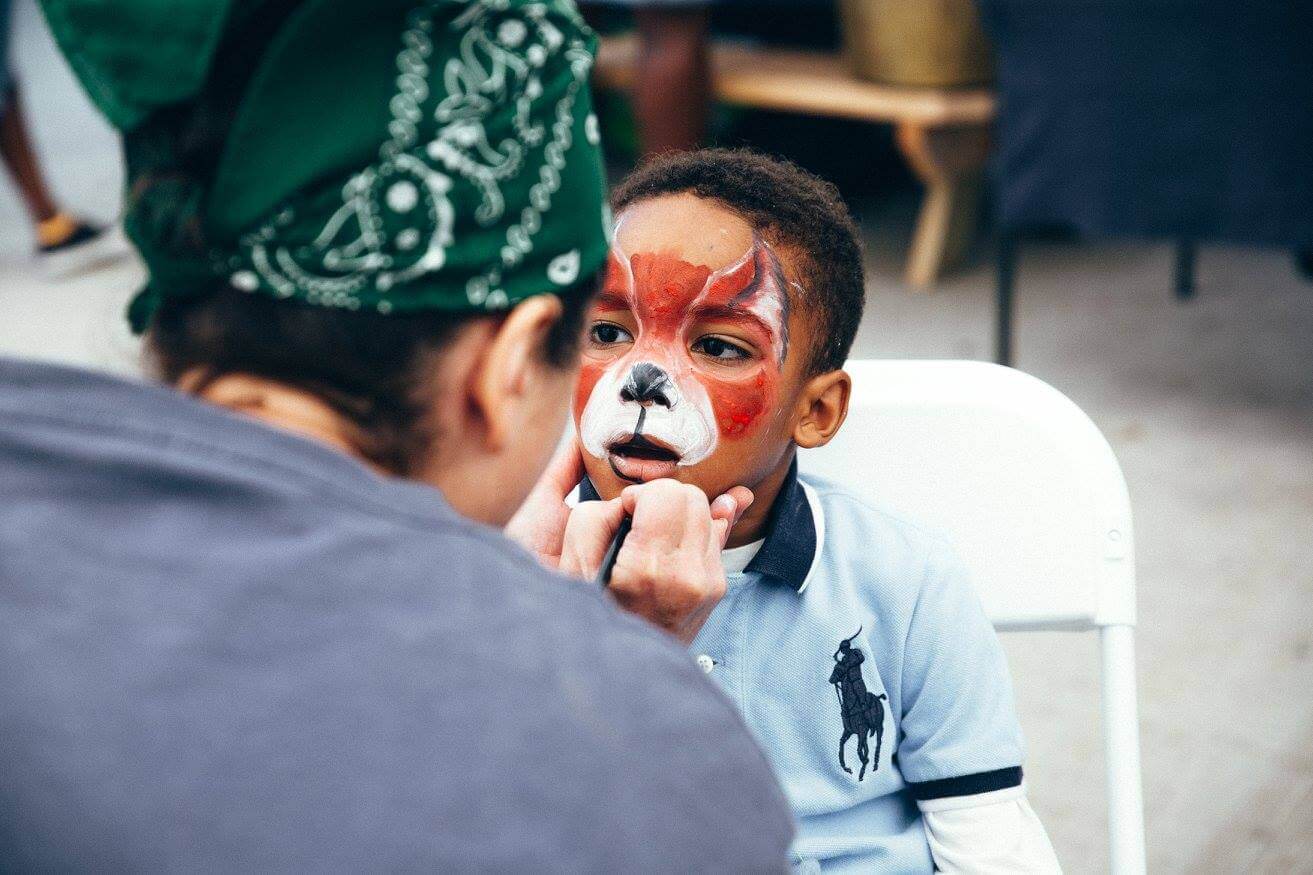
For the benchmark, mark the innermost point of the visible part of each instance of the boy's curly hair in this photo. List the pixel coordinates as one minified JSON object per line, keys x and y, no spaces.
{"x":795,"y":210}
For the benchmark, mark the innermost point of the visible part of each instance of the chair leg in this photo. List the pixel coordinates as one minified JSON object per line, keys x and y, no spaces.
{"x":1121,"y":734}
{"x":1004,"y":288}
{"x":1186,"y":253}
{"x":1304,"y":263}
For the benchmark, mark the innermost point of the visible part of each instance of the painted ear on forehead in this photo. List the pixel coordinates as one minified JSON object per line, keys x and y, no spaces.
{"x":617,"y":272}
{"x":758,"y":272}
{"x":756,"y":285}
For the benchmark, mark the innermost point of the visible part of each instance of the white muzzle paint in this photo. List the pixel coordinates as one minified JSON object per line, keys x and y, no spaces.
{"x":682,"y":420}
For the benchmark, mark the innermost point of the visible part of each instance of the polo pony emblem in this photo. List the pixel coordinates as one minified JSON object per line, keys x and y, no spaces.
{"x":863,"y":712}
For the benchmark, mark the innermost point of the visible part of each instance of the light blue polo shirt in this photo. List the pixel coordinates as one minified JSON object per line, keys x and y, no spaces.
{"x":852,"y":624}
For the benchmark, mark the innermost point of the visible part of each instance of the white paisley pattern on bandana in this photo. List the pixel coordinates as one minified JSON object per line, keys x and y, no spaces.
{"x":396,"y":220}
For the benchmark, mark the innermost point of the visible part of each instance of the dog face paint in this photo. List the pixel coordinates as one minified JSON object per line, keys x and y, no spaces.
{"x":679,"y":358}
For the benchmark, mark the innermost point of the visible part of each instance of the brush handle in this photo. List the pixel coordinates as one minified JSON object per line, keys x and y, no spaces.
{"x":608,"y":561}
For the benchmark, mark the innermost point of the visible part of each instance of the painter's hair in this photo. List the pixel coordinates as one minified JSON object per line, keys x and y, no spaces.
{"x":796,"y":211}
{"x":376,"y":371}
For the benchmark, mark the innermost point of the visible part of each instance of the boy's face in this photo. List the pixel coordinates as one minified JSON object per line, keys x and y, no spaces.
{"x":689,"y":368}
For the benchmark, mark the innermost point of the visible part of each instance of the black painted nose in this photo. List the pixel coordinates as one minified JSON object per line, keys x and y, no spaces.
{"x":647,"y":384}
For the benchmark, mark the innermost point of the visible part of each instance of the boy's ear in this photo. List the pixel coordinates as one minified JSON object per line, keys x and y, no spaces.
{"x":823,"y":406}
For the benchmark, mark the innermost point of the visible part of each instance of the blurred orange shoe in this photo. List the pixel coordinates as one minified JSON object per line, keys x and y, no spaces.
{"x":67,"y":246}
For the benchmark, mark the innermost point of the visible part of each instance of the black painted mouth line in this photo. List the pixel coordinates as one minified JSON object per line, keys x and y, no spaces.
{"x":640,"y":447}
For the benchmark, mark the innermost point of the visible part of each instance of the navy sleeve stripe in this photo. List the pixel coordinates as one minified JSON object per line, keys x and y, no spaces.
{"x":966,"y":785}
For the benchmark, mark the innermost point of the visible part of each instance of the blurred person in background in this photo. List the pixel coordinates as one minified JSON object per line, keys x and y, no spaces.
{"x":65,"y":244}
{"x":672,"y":82}
{"x":671,"y":97}
{"x":260,"y":617}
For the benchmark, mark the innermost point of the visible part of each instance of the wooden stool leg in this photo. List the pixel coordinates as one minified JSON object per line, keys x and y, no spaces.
{"x":950,"y":163}
{"x":1186,"y":256}
{"x":945,"y":228}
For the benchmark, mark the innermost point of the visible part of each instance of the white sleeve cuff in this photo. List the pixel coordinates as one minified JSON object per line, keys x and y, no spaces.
{"x":1001,"y":837}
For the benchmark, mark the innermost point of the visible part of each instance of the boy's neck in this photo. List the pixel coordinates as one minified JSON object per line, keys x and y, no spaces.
{"x":752,"y":526}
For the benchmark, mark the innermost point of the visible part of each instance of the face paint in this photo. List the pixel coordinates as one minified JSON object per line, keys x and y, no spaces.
{"x":693,"y":357}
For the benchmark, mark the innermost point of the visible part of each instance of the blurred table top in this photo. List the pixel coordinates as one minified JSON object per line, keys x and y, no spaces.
{"x":814,"y":83}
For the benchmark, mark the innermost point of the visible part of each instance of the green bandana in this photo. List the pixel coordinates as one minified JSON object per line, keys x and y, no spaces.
{"x":389,"y":155}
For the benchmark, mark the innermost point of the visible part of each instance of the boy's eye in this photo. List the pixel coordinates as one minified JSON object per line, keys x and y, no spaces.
{"x":719,"y":348}
{"x":607,"y":333}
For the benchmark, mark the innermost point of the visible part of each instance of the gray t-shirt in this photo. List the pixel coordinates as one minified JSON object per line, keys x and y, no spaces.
{"x":224,"y":647}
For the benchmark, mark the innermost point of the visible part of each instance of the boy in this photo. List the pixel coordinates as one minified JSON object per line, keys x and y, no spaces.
{"x":849,"y":638}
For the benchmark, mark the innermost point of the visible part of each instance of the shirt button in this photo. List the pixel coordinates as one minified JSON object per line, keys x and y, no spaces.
{"x":706,"y":663}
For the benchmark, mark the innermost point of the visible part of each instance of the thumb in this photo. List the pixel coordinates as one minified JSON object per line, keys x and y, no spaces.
{"x":540,"y":521}
{"x":728,"y":509}
{"x":564,"y":471}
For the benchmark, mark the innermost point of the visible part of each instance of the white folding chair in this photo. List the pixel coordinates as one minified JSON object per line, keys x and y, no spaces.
{"x":1035,"y":503}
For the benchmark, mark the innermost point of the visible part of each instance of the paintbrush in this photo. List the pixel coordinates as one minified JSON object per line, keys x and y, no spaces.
{"x":608,"y":560}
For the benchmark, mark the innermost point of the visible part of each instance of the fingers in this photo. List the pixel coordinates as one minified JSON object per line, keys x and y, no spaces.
{"x":669,"y":569}
{"x":668,"y":515}
{"x":565,"y":470}
{"x":588,"y":533}
{"x":661,"y":498}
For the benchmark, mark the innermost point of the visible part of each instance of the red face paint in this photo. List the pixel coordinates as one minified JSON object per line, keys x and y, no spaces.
{"x":738,"y":407}
{"x":690,"y":322}
{"x":664,"y":287}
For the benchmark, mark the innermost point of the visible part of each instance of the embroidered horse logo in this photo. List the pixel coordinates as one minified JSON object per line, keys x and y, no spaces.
{"x":863,"y":713}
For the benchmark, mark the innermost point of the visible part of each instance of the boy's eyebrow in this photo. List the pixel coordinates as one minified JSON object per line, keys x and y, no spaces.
{"x":607,"y":300}
{"x":729,"y":311}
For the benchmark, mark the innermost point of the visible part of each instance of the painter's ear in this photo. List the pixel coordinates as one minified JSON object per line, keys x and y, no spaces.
{"x":503,"y":389}
{"x":822,"y":408}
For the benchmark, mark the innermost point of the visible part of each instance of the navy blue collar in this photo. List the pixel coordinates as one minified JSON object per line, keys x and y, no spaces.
{"x":790,"y":541}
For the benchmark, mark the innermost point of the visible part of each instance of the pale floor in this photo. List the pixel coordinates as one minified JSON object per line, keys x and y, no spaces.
{"x":1209,"y":406}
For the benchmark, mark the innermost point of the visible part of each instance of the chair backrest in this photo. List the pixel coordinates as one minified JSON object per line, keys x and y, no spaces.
{"x":1006,"y":466}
